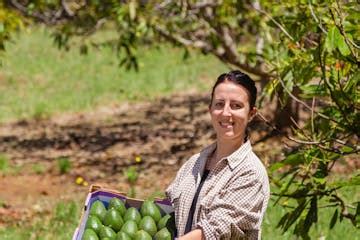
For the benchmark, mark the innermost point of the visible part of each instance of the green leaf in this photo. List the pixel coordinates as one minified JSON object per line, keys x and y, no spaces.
{"x":312,"y":215}
{"x":283,"y":220}
{"x":271,"y":87}
{"x":357,"y":215}
{"x":313,"y":90}
{"x":354,"y":181}
{"x":294,"y":215}
{"x":300,"y":193}
{"x":332,"y":39}
{"x":334,"y":219}
{"x":346,"y":149}
{"x":343,"y":47}
{"x":353,"y":81}
{"x":276,"y":166}
{"x":294,"y":159}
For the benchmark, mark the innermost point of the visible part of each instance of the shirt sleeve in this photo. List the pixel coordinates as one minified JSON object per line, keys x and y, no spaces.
{"x":236,"y":212}
{"x":170,"y":191}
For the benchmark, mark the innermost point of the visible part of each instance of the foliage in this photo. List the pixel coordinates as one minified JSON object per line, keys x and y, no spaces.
{"x":64,"y":165}
{"x":4,"y":163}
{"x":306,"y":51}
{"x":317,"y":65}
{"x":10,"y":21}
{"x":60,"y":225}
{"x":38,"y":168}
{"x":132,"y":174}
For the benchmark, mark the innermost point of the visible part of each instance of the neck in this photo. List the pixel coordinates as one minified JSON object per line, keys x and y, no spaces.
{"x":226,"y":147}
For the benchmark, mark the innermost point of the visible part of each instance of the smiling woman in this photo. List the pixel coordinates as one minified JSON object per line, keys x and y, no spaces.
{"x":222,"y":192}
{"x":231,"y":109}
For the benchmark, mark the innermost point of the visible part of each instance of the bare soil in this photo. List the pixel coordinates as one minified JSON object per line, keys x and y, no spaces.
{"x":101,"y":145}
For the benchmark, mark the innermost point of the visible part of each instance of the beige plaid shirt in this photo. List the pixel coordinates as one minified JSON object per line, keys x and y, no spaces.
{"x":233,"y":199}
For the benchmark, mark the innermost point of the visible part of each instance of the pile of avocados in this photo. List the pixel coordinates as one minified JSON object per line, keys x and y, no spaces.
{"x":120,"y":223}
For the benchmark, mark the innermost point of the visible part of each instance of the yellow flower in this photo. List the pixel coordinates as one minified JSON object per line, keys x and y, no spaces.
{"x":85,"y":183}
{"x":79,"y":180}
{"x":138,"y":159}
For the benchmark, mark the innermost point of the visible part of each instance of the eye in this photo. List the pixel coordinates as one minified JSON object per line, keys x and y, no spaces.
{"x":236,"y":105}
{"x":219,"y":104}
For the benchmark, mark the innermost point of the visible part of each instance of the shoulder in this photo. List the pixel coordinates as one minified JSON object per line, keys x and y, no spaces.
{"x":188,"y":165}
{"x":253,"y":170}
{"x":197,"y":161}
{"x":254,"y":163}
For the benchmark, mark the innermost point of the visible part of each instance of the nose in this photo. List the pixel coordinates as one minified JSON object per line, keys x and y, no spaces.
{"x":227,"y":110}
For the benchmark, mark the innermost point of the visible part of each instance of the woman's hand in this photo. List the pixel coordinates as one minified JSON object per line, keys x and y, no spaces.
{"x":196,"y":234}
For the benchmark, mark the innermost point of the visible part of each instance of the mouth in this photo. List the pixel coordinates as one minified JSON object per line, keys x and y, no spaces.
{"x":226,"y":124}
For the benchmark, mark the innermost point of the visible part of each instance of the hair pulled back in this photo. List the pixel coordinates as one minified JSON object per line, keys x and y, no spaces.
{"x":239,"y":78}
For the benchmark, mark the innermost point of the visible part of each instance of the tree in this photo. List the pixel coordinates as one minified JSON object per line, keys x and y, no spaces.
{"x":305,"y":53}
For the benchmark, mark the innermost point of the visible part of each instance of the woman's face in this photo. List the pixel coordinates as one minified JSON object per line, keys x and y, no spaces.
{"x":230,"y":111}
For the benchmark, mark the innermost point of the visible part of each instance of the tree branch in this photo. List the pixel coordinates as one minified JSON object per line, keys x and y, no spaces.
{"x":227,"y":55}
{"x":342,"y":32}
{"x":49,"y":18}
{"x":181,"y":40}
{"x":276,"y":23}
{"x":344,"y":211}
{"x":299,"y":141}
{"x":205,"y":4}
{"x":67,"y":9}
{"x":342,"y":27}
{"x":316,"y":19}
{"x":303,"y":103}
{"x":25,"y":11}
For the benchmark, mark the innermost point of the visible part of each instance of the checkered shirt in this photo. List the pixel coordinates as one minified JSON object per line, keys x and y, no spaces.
{"x":233,"y":199}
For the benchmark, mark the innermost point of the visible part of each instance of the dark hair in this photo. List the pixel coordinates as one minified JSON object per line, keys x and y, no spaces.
{"x":240,"y":78}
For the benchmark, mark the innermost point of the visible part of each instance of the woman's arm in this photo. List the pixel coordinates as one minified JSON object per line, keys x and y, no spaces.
{"x":196,"y":234}
{"x":237,"y":211}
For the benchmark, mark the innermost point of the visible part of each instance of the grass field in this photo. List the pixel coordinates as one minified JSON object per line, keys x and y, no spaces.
{"x":342,"y":230}
{"x":37,"y":79}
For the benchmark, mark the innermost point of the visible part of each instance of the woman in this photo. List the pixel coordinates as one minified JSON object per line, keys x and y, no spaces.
{"x":222,"y":192}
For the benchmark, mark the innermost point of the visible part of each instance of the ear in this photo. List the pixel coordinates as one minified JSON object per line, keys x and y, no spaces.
{"x":252,"y":113}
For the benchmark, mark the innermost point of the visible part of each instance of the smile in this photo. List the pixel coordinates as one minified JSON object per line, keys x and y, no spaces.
{"x":226,"y":124}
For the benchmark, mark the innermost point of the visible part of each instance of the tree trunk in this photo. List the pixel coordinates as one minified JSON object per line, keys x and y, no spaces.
{"x":284,"y":114}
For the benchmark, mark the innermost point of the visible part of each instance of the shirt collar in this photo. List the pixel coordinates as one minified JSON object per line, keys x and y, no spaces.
{"x":233,"y":159}
{"x":204,"y":154}
{"x":239,"y":155}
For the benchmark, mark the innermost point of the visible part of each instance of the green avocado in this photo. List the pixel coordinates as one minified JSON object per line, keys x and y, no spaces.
{"x":122,"y":236}
{"x":98,"y":209}
{"x":149,"y":208}
{"x":163,"y":234}
{"x":107,"y":232}
{"x":163,"y":221}
{"x":89,"y":234}
{"x":93,"y":223}
{"x":113,"y":219}
{"x":142,"y":235}
{"x":130,"y":227}
{"x":118,"y":205}
{"x":132,"y":214}
{"x":148,"y":224}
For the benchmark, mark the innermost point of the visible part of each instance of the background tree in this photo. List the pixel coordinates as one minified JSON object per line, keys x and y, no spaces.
{"x":304,"y":53}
